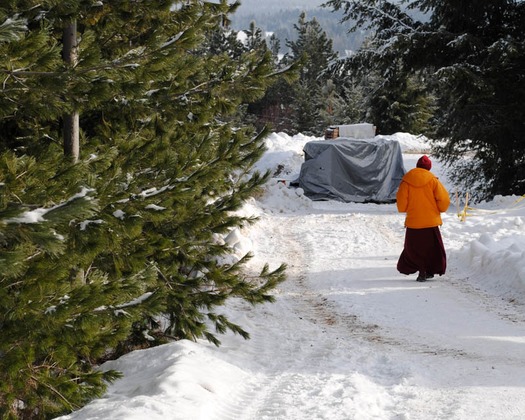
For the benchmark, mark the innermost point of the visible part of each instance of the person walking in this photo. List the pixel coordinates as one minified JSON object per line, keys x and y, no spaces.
{"x":423,"y":198}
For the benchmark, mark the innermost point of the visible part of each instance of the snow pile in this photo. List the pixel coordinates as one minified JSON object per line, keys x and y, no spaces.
{"x":498,"y":264}
{"x":279,"y":198}
{"x":495,"y":259}
{"x":186,"y":370}
{"x":284,"y":155}
{"x":410,"y":143}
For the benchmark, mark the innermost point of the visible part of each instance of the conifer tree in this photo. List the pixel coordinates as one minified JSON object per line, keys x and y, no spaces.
{"x":255,"y":39}
{"x":470,"y":56}
{"x":479,"y":76}
{"x":334,"y":111}
{"x":275,"y":109}
{"x":124,"y":247}
{"x":397,"y":103}
{"x":315,"y":49}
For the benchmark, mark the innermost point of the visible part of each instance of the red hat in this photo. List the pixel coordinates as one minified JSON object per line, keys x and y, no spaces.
{"x":424,"y":162}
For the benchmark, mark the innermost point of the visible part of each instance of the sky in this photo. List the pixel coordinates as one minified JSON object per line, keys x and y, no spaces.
{"x":348,"y":337}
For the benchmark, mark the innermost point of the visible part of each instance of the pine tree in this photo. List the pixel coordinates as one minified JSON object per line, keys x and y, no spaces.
{"x":335,"y":109}
{"x":255,"y":39}
{"x":479,"y":77}
{"x":315,"y":49}
{"x":395,"y":98}
{"x":124,"y":245}
{"x":470,"y":56}
{"x":274,"y":110}
{"x":397,"y":103}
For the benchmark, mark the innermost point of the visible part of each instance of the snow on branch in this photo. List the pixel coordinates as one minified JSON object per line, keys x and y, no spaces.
{"x":39,"y":215}
{"x":136,"y":301}
{"x":119,"y":310}
{"x":12,"y":29}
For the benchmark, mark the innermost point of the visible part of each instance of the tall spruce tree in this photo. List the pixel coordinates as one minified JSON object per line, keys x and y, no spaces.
{"x":120,"y":248}
{"x":471,"y":57}
{"x":396,"y":103}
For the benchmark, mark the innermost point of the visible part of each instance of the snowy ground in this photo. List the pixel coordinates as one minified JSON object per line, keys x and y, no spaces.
{"x":348,"y":336}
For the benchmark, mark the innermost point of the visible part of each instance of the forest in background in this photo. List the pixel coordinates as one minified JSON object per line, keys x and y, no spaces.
{"x":281,"y":23}
{"x":450,"y":71}
{"x":278,"y":17}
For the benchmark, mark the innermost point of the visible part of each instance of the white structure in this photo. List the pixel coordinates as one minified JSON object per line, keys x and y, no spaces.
{"x":357,"y":131}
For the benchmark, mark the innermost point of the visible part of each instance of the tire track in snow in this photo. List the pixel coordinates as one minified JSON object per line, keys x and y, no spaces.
{"x":300,"y":368}
{"x":260,"y":392}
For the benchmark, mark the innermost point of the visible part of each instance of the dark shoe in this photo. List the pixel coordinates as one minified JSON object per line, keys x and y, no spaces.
{"x":422,"y":277}
{"x":429,"y":276}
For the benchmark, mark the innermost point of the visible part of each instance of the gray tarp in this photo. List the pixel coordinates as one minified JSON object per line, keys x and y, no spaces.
{"x":352,"y":170}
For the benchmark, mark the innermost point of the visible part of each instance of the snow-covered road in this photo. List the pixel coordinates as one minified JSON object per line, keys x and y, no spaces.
{"x":350,"y":338}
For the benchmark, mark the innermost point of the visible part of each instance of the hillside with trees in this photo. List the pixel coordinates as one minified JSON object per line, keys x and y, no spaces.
{"x":249,"y":6}
{"x":280,"y":22}
{"x":330,"y":93}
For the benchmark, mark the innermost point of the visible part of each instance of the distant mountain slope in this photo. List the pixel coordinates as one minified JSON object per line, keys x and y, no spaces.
{"x":280,"y":16}
{"x":258,"y":6}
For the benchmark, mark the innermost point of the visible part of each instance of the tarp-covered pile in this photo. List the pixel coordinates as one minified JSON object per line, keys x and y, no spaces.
{"x":352,"y":170}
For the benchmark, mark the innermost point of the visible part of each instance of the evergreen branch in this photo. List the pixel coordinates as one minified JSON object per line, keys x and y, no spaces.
{"x":389,"y":17}
{"x":4,"y":86}
{"x":55,"y":391}
{"x":29,"y":73}
{"x":17,"y":197}
{"x":80,"y":71}
{"x":197,"y":89}
{"x":12,"y":29}
{"x":136,"y":301}
{"x":34,"y":255}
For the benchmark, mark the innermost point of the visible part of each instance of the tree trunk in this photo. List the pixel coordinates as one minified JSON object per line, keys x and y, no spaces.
{"x":71,"y":121}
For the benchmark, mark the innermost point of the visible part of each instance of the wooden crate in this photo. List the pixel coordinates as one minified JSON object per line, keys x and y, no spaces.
{"x":331,"y":133}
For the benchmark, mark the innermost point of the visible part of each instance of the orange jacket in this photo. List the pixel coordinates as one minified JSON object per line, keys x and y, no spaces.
{"x":423,"y":198}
